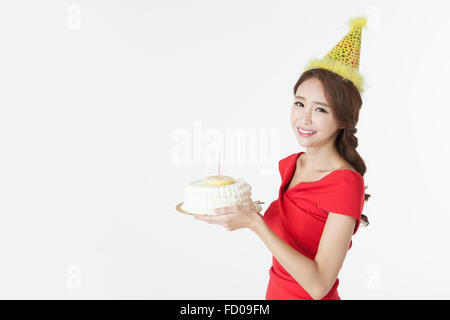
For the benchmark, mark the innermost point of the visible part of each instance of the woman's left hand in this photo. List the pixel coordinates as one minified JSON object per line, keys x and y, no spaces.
{"x":234,"y":217}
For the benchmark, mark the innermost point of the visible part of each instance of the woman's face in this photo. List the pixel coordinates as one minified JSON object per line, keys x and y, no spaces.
{"x":310,"y":111}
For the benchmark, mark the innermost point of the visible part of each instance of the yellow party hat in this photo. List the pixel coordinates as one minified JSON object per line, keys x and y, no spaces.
{"x":343,"y":59}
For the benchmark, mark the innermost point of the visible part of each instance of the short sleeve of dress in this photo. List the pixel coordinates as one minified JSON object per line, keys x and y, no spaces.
{"x":346,"y":196}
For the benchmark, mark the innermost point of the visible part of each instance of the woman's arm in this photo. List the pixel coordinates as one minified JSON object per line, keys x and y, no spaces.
{"x":315,"y":276}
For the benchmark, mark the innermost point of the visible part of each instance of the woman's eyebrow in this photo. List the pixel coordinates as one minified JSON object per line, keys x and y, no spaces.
{"x":317,"y":102}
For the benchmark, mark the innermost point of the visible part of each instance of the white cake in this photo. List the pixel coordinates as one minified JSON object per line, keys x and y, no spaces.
{"x":205,"y":195}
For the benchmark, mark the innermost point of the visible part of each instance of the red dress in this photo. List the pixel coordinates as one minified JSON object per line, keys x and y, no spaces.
{"x":299,"y":214}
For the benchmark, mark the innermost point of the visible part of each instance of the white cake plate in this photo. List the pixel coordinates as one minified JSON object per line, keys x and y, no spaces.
{"x":257,"y":205}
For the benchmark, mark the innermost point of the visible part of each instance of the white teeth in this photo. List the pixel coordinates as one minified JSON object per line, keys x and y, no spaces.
{"x":306,"y":132}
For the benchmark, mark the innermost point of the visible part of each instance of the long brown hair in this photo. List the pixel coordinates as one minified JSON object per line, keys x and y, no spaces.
{"x":345,"y":102}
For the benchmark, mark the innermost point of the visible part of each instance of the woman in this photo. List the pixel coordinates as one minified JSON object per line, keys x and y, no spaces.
{"x":309,"y":227}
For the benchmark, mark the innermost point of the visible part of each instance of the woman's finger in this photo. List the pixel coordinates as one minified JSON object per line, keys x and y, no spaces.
{"x":212,"y":219}
{"x":227,"y":209}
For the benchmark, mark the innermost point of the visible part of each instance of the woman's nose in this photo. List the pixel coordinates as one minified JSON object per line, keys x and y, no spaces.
{"x":306,"y":119}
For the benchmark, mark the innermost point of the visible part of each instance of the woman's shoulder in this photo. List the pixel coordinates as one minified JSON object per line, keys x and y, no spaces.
{"x":348,"y":180}
{"x":344,"y":164}
{"x":287,"y":161}
{"x":290,"y":157}
{"x":347,"y":169}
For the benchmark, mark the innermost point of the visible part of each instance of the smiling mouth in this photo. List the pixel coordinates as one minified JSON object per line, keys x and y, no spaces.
{"x":305,"y":132}
{"x":305,"y":135}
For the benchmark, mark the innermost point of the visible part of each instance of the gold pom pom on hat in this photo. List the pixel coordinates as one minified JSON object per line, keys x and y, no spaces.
{"x":343,"y":59}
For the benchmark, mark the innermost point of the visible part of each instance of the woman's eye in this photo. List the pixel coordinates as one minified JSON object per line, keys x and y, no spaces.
{"x":297,"y":103}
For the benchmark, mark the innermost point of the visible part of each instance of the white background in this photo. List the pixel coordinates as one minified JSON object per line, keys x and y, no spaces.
{"x":92,"y":94}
